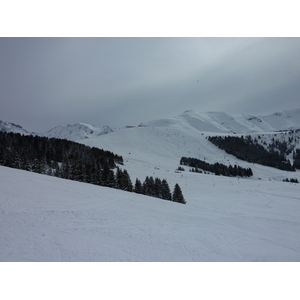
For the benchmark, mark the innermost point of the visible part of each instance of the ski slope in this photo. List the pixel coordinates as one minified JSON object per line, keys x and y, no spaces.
{"x":225,"y":219}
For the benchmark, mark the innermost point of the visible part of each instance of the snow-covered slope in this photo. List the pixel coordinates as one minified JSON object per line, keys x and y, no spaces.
{"x":11,"y":127}
{"x":225,"y":219}
{"x":45,"y":218}
{"x":77,"y":131}
{"x":221,"y":122}
{"x":287,"y":119}
{"x":159,"y":149}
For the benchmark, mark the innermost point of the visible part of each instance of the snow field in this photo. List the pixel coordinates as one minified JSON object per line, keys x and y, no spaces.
{"x":49,"y":219}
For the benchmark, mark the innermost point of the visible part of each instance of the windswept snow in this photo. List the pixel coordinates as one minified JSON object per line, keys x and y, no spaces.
{"x":226,"y":219}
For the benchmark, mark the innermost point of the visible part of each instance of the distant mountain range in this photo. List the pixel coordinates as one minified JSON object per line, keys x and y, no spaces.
{"x":74,"y":132}
{"x":214,"y":122}
{"x":221,"y":122}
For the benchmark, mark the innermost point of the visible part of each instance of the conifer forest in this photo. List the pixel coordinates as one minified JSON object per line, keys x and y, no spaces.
{"x":74,"y":161}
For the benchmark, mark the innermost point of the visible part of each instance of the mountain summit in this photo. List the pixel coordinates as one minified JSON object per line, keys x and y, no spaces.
{"x":11,"y":127}
{"x":78,"y":131}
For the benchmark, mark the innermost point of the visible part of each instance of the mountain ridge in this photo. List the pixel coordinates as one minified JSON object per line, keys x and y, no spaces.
{"x":221,"y":122}
{"x":11,"y":127}
{"x":214,"y":122}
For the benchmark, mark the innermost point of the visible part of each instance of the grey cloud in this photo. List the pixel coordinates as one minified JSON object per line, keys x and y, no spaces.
{"x":118,"y":81}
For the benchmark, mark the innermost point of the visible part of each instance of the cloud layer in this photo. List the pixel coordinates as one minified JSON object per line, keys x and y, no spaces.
{"x":121,"y":81}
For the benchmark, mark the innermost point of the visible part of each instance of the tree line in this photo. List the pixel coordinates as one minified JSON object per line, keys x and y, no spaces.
{"x":293,"y":180}
{"x":251,"y":151}
{"x":70,"y":160}
{"x":217,"y":168}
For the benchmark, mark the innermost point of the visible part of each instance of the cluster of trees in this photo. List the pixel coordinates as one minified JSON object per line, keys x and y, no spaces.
{"x":282,"y":147}
{"x":154,"y":187}
{"x":217,"y":168}
{"x":284,"y":144}
{"x":56,"y":157}
{"x":159,"y":188}
{"x":74,"y":161}
{"x":294,"y":180}
{"x":250,"y":150}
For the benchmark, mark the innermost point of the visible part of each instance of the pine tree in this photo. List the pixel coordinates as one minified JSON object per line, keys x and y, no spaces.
{"x":151,"y":186}
{"x":138,"y":188}
{"x":111,"y":181}
{"x":126,"y":182}
{"x":157,"y":188}
{"x":165,"y":190}
{"x":146,"y":186}
{"x":105,"y":173}
{"x":177,"y":195}
{"x":119,"y":175}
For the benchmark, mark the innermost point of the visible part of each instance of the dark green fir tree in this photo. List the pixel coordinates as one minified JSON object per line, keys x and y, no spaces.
{"x":177,"y":195}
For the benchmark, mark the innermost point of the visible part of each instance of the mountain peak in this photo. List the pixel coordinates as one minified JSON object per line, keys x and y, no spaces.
{"x":11,"y":127}
{"x":77,"y":131}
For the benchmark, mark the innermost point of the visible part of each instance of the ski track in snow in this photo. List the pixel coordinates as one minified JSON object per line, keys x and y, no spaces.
{"x":4,"y":211}
{"x":186,"y":250}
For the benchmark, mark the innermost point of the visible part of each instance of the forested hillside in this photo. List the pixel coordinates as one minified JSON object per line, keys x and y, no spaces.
{"x":57,"y":157}
{"x":249,"y":149}
{"x":219,"y":169}
{"x":74,"y":161}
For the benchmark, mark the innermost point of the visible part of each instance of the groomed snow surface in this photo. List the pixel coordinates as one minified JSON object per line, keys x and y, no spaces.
{"x":225,"y":219}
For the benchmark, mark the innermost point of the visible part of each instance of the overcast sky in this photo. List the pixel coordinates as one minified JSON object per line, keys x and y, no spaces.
{"x":45,"y":82}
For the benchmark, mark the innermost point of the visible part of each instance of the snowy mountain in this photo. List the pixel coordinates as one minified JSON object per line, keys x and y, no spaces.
{"x":214,"y":122}
{"x":225,"y":218}
{"x":72,"y":132}
{"x":11,"y":127}
{"x":221,"y":122}
{"x":159,"y":149}
{"x":78,"y":131}
{"x":160,"y":144}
